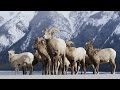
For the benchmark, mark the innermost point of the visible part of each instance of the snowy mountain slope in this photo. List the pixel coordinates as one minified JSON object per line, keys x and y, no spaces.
{"x":92,"y":26}
{"x":14,"y":27}
{"x":6,"y":16}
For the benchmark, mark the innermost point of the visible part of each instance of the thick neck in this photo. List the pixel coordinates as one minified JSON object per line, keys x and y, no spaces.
{"x":90,"y":51}
{"x":11,"y":57}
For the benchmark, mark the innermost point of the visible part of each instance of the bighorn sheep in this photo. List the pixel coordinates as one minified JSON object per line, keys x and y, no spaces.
{"x":75,"y":55}
{"x":40,"y":46}
{"x":56,"y":47}
{"x":22,"y":60}
{"x":99,"y":56}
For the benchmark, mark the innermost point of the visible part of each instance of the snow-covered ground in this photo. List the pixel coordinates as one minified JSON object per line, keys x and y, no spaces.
{"x":37,"y":75}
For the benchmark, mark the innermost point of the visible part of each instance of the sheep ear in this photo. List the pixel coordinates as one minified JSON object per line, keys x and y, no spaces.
{"x":45,"y":30}
{"x":91,"y":42}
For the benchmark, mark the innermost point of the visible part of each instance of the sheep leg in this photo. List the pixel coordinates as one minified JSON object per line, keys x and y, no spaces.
{"x":47,"y":68}
{"x":57,"y":67}
{"x":81,"y":69}
{"x":52,"y":67}
{"x":63,"y":61}
{"x":113,"y":65}
{"x":93,"y":69}
{"x":31,"y":69}
{"x":16,"y":70}
{"x":43,"y":69}
{"x":59,"y":70}
{"x":97,"y":69}
{"x":72,"y":70}
{"x":77,"y":67}
{"x":49,"y":64}
{"x":72,"y":67}
{"x":66,"y":69}
{"x":84,"y":68}
{"x":56,"y":72}
{"x":24,"y":70}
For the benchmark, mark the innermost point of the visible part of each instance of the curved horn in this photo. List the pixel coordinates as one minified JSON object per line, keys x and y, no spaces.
{"x":50,"y":29}
{"x":53,"y":30}
{"x":44,"y":30}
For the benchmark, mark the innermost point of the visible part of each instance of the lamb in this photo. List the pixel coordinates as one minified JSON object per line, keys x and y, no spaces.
{"x":99,"y":56}
{"x":75,"y":55}
{"x":40,"y":46}
{"x":22,"y":60}
{"x":56,"y":47}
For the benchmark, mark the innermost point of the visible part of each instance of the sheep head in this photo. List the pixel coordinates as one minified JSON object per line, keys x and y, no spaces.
{"x":48,"y":33}
{"x":69,"y":43}
{"x":11,"y":53}
{"x":89,"y":45}
{"x":39,"y":41}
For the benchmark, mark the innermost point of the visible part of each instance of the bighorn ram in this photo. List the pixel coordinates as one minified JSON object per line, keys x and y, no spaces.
{"x":56,"y":47}
{"x":75,"y":55}
{"x":99,"y":56}
{"x":22,"y":60}
{"x":40,"y":46}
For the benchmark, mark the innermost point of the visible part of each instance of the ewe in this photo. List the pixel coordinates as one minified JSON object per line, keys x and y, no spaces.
{"x":22,"y":60}
{"x":98,"y":56}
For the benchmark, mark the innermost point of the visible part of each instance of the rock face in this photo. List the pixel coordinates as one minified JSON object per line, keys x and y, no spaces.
{"x":18,"y":29}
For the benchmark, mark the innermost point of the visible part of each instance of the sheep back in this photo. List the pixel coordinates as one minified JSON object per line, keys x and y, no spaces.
{"x":106,"y":54}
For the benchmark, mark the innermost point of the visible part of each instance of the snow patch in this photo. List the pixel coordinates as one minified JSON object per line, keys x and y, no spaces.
{"x":112,"y":41}
{"x":117,"y":30}
{"x":4,"y":41}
